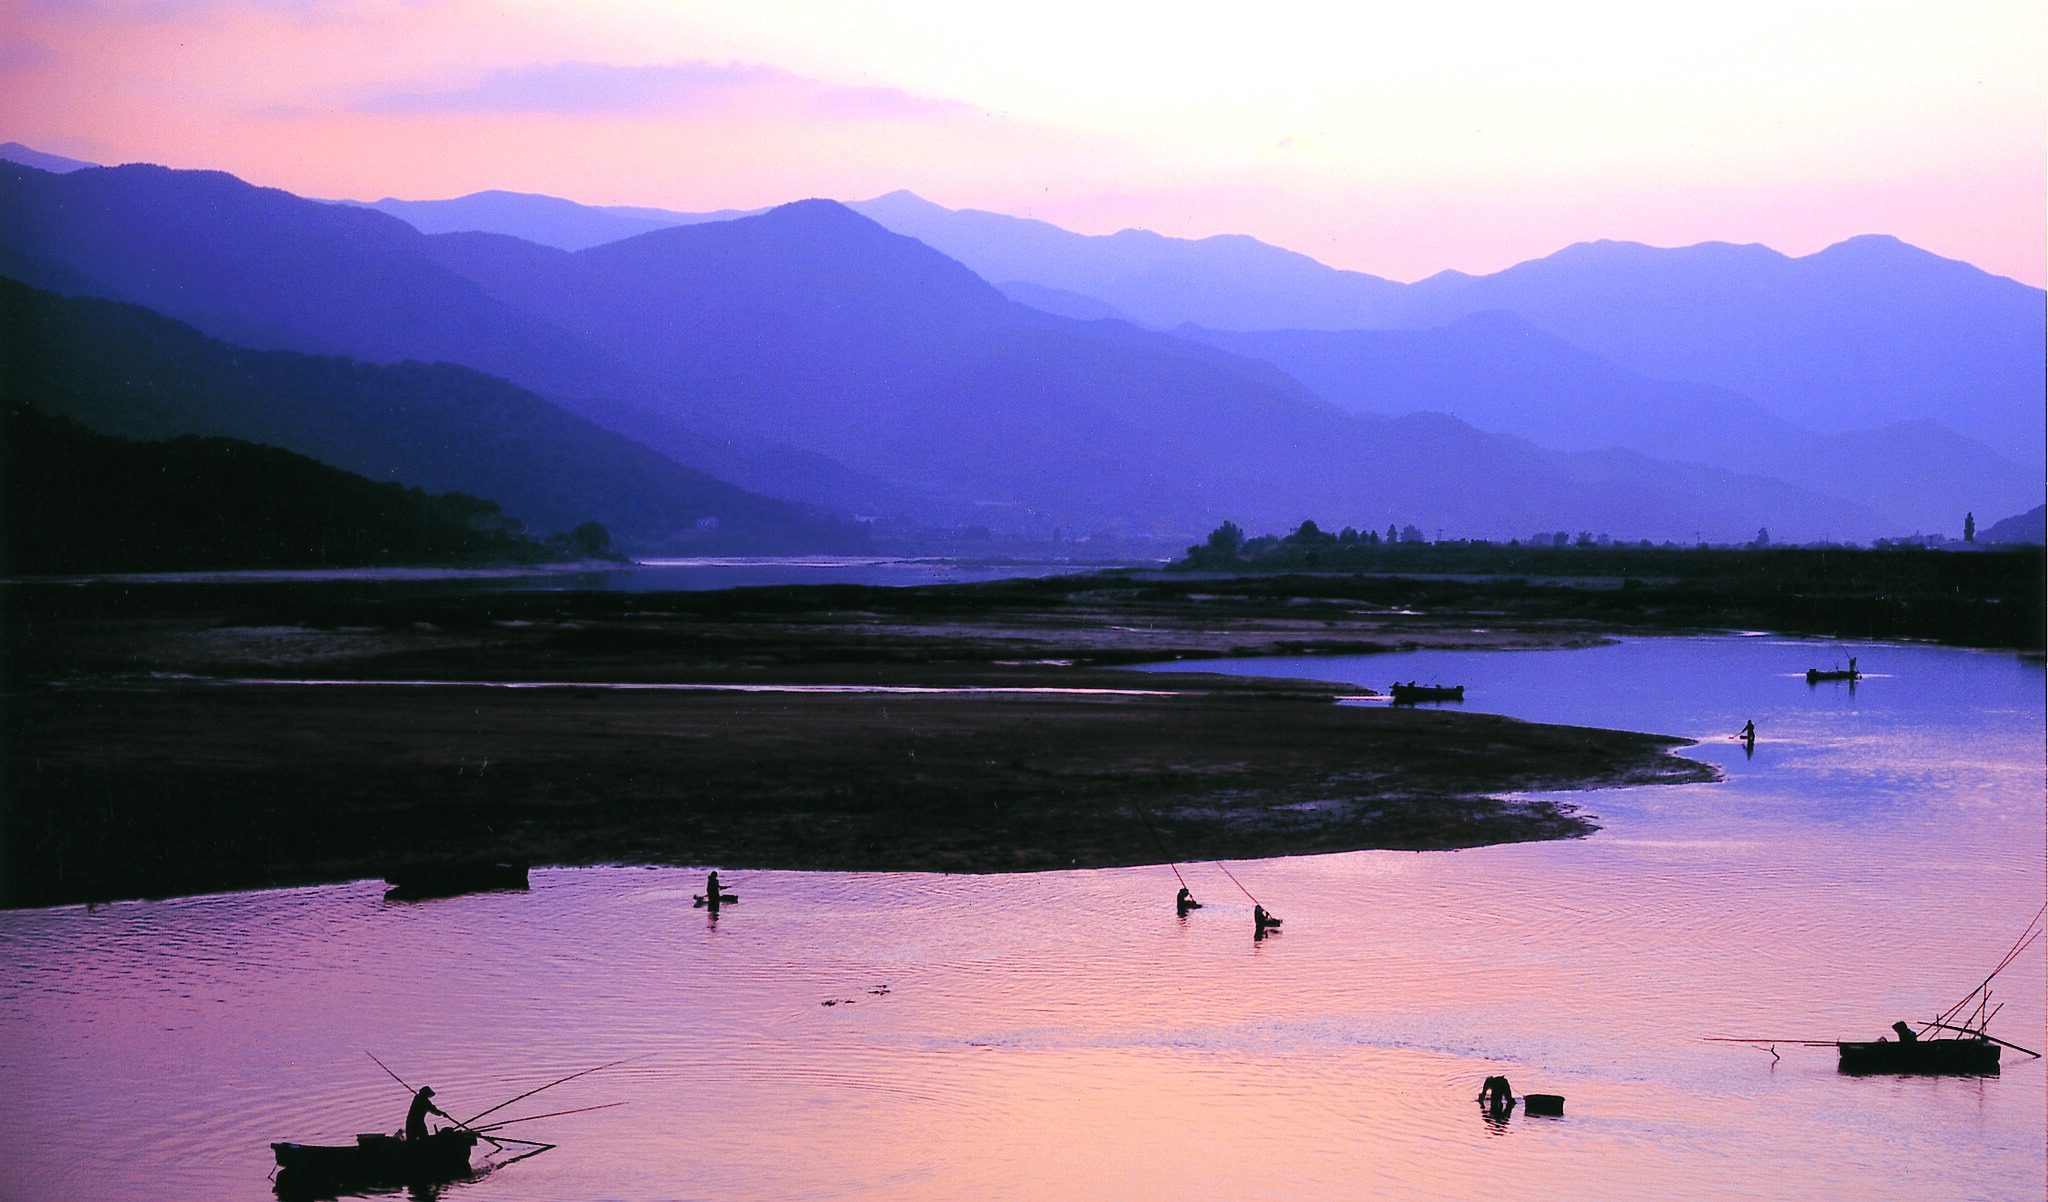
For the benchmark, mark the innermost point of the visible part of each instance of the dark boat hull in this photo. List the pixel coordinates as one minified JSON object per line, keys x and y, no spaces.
{"x":1931,"y":1057}
{"x":372,"y":1161}
{"x":1815,"y":676}
{"x":1406,"y":694}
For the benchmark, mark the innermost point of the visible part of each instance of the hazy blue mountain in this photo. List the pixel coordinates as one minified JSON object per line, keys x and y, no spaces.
{"x":2028,"y":527}
{"x":1866,"y":333}
{"x":55,"y":164}
{"x":1228,"y":281}
{"x":875,"y":357}
{"x":1060,"y":301}
{"x":837,"y":336}
{"x":547,"y":220}
{"x":123,"y":370}
{"x":263,"y":268}
{"x":1500,"y":373}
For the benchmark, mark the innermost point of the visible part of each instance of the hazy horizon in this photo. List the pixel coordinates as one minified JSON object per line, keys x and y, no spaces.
{"x":1394,"y":143}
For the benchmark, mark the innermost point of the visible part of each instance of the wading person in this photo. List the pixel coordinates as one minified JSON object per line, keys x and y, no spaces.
{"x":1185,"y":901}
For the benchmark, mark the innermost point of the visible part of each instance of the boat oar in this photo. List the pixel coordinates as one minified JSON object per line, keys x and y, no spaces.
{"x":550,"y":1085}
{"x":550,"y":1115}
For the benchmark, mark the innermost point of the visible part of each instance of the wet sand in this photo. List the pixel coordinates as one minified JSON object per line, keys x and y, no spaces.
{"x":134,"y":769}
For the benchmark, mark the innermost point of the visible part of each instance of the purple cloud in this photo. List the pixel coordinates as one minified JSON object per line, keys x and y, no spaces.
{"x":605,"y":88}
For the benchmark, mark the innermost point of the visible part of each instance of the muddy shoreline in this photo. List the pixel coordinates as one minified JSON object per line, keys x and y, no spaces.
{"x":134,"y":768}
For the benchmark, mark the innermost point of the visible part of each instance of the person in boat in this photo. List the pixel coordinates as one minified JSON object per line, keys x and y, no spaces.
{"x":1906,"y":1033}
{"x":1749,"y":731}
{"x":1185,"y":901}
{"x":711,"y":888}
{"x":422,"y":1106}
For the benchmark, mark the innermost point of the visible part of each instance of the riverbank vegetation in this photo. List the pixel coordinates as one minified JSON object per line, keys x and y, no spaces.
{"x":1992,"y":597}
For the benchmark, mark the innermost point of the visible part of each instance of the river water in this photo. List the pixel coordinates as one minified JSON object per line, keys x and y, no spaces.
{"x":1065,"y":1035}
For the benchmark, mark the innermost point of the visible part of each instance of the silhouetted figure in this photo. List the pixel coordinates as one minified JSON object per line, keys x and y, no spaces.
{"x":1906,"y":1033}
{"x":711,"y":889}
{"x":1497,"y":1097}
{"x":1749,"y":731}
{"x":1262,"y":922}
{"x":422,"y":1106}
{"x":1185,"y":901}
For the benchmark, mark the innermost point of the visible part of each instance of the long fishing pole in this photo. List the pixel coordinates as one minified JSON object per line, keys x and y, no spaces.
{"x":1147,"y":820}
{"x":550,"y":1115}
{"x":550,"y":1085}
{"x":387,"y":1072}
{"x":1238,"y":883}
{"x":409,"y":1089}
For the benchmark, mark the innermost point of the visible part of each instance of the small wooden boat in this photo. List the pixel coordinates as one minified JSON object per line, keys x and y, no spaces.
{"x":1964,"y":1056}
{"x":1850,"y":674}
{"x":451,"y":878}
{"x":723,"y":899}
{"x":373,"y":1162}
{"x":1409,"y":694}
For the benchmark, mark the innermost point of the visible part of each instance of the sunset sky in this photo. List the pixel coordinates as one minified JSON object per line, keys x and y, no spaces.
{"x":1378,"y":137}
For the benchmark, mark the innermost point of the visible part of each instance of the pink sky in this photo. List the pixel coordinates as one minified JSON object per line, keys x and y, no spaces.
{"x":1385,"y":140}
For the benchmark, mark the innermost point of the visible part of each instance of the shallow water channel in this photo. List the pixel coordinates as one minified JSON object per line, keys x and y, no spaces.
{"x":1064,"y":1035}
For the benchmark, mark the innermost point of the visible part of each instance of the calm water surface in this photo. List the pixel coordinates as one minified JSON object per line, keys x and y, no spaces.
{"x":1066,"y":1036}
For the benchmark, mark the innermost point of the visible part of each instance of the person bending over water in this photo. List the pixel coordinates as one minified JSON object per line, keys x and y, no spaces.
{"x":1262,"y":922}
{"x":1185,"y":901}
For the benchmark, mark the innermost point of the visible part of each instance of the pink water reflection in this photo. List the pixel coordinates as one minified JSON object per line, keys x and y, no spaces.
{"x":1066,"y":1036}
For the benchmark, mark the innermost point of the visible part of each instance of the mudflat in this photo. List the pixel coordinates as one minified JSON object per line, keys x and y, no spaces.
{"x":163,"y":743}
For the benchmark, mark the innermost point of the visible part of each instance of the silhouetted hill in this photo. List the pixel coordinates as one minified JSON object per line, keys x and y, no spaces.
{"x":1866,"y":333}
{"x":122,"y":370}
{"x":56,"y":164}
{"x":259,"y":267}
{"x":819,"y":326}
{"x":1229,"y":281}
{"x":871,"y":355}
{"x":547,"y":220}
{"x":265,"y":269}
{"x":1500,"y":373}
{"x":2028,"y":527}
{"x":75,"y":501}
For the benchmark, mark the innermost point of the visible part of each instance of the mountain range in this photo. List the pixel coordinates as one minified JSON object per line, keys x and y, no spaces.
{"x":810,"y":354}
{"x":1865,"y":333}
{"x":124,"y":370}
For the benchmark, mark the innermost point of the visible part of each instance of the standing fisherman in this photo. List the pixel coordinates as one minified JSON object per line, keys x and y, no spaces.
{"x":422,"y":1106}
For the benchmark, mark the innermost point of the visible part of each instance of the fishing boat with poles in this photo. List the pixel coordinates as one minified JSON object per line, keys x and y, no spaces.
{"x":1410,"y":693}
{"x":384,"y":1161}
{"x":1850,"y":674}
{"x":1954,"y":1043}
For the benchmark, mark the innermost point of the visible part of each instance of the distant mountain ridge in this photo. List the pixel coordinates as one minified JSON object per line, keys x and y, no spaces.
{"x":123,"y":370}
{"x":547,"y":220}
{"x":1868,"y":333}
{"x":1502,"y":373}
{"x":862,"y":355}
